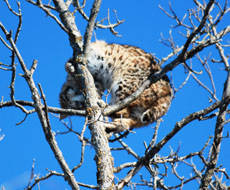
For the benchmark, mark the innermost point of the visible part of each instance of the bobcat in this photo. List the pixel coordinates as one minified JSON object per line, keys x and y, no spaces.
{"x":122,"y":69}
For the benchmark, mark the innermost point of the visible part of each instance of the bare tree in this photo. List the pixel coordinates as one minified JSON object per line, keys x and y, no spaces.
{"x":200,"y":30}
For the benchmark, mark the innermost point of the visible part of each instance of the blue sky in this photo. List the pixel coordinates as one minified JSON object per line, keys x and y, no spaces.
{"x":42,"y":39}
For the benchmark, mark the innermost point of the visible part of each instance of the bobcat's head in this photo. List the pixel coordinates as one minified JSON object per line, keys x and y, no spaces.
{"x":71,"y":96}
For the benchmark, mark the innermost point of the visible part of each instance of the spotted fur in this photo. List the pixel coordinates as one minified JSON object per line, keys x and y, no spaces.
{"x":122,"y":69}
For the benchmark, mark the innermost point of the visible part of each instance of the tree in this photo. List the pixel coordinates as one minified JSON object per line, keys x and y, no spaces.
{"x":198,"y":46}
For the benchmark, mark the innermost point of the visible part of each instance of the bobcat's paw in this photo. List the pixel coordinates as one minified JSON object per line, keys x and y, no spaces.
{"x":147,"y":117}
{"x":69,"y":67}
{"x":118,"y":125}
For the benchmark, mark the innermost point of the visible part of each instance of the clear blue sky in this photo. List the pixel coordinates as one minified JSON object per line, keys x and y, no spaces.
{"x":42,"y":39}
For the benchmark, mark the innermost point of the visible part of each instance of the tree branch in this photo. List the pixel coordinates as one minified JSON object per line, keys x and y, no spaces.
{"x":90,"y":26}
{"x":46,"y":9}
{"x":182,"y":57}
{"x":49,"y":108}
{"x":154,"y":150}
{"x":41,"y":114}
{"x":68,"y":21}
{"x":97,"y":24}
{"x":220,"y":122}
{"x":103,"y":158}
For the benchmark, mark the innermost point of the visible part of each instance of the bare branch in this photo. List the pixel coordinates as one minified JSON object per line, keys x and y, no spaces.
{"x":206,"y":179}
{"x":183,"y":83}
{"x":182,"y":57}
{"x":41,"y":114}
{"x":12,"y":84}
{"x":19,"y":27}
{"x":154,"y":138}
{"x":174,"y":16}
{"x":127,"y":148}
{"x":5,"y":43}
{"x":9,"y":7}
{"x":38,"y":179}
{"x":46,"y":9}
{"x":13,"y":66}
{"x":82,"y":147}
{"x":209,"y":72}
{"x":125,"y":165}
{"x":50,"y":109}
{"x":32,"y":173}
{"x":197,"y":37}
{"x":97,"y":24}
{"x":68,"y":20}
{"x":204,"y":86}
{"x":88,"y":186}
{"x":199,"y":28}
{"x":103,"y":157}
{"x":175,"y":51}
{"x":90,"y":26}
{"x":78,"y":7}
{"x":150,"y":154}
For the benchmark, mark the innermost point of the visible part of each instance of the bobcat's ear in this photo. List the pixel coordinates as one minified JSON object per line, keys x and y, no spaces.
{"x":63,"y":116}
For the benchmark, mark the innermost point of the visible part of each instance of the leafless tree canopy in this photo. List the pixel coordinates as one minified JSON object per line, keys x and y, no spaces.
{"x":199,"y":28}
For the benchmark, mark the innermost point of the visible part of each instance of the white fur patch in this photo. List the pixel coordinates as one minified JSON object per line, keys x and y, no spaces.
{"x":70,"y":91}
{"x":78,"y":98}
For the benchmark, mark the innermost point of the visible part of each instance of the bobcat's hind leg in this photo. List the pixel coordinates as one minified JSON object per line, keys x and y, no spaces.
{"x":154,"y":113}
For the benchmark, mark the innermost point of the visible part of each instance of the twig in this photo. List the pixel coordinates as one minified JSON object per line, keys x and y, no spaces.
{"x":87,"y":185}
{"x":199,"y":28}
{"x":155,"y":77}
{"x":33,"y":66}
{"x":82,"y":147}
{"x":153,"y":151}
{"x":45,"y":105}
{"x":174,"y":16}
{"x":208,"y":70}
{"x":120,"y":136}
{"x":97,"y":24}
{"x":32,"y":173}
{"x":78,"y":7}
{"x":204,"y":86}
{"x":154,"y":138}
{"x":20,"y":122}
{"x":39,"y":109}
{"x":39,"y":179}
{"x":68,"y":21}
{"x":9,"y":7}
{"x":127,"y":148}
{"x":125,"y":165}
{"x":50,"y":109}
{"x":90,"y":27}
{"x":103,"y":158}
{"x":46,"y":9}
{"x":70,"y":129}
{"x":5,"y":43}
{"x":182,"y":57}
{"x":19,"y":27}
{"x":206,"y":178}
